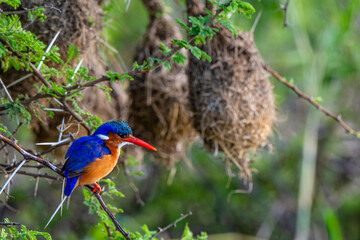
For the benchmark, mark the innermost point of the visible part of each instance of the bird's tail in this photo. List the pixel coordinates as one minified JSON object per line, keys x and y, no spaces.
{"x":70,"y":185}
{"x":57,"y":209}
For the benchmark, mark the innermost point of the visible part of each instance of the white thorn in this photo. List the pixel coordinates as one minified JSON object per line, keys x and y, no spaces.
{"x":19,"y":80}
{"x":48,"y":49}
{"x":77,"y":68}
{"x":61,"y":129}
{"x":12,"y":175}
{"x":57,"y":209}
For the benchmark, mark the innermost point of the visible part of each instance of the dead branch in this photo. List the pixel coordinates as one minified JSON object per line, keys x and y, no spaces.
{"x":173,"y":224}
{"x":309,"y":99}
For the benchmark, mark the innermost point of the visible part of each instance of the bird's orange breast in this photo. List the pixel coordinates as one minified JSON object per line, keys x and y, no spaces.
{"x":101,"y":167}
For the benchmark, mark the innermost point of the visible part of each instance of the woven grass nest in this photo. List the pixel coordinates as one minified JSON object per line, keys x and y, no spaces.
{"x":232,"y":98}
{"x":159,"y":111}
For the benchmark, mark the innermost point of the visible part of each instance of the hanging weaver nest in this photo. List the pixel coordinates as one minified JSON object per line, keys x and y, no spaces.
{"x":231,"y":97}
{"x":159,"y":110}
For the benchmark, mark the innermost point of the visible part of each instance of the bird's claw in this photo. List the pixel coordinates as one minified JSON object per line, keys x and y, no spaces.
{"x":96,"y":187}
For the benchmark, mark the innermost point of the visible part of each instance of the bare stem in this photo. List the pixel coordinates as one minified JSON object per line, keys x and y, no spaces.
{"x":173,"y":224}
{"x":309,"y":99}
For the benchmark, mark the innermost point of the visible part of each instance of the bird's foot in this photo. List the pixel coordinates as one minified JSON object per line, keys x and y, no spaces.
{"x":96,"y":187}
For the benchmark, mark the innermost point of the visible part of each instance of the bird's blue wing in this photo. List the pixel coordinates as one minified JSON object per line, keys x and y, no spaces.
{"x":81,"y":152}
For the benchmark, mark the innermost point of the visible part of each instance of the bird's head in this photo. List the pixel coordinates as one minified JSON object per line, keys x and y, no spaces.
{"x":121,"y":132}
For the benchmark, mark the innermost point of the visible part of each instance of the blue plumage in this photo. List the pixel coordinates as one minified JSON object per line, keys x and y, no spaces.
{"x":81,"y":166}
{"x":70,"y":183}
{"x":120,"y":128}
{"x":80,"y":153}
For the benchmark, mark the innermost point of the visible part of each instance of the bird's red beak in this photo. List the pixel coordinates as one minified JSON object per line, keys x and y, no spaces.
{"x":139,"y":142}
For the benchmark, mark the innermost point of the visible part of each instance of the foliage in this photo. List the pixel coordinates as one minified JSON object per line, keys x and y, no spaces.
{"x":20,"y":50}
{"x":322,"y":41}
{"x":107,"y":228}
{"x":12,"y":232}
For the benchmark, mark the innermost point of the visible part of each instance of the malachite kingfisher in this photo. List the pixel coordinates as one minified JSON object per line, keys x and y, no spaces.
{"x":91,"y":158}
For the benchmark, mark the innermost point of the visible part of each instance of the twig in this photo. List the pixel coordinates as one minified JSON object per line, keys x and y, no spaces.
{"x":309,"y":99}
{"x":9,"y":224}
{"x":39,"y":76}
{"x":29,"y":156}
{"x":285,"y":9}
{"x":173,"y":224}
{"x":68,"y":109}
{"x":36,"y":175}
{"x":29,"y":9}
{"x":109,"y":213}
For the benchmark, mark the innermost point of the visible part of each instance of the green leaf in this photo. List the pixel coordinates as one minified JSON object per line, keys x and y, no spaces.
{"x":187,"y":234}
{"x":167,"y":65}
{"x":113,"y":76}
{"x":182,"y":24}
{"x":136,"y":66}
{"x":228,"y":24}
{"x":179,"y":58}
{"x":14,"y":3}
{"x":332,"y":224}
{"x":164,"y":50}
{"x":318,"y":99}
{"x":147,"y":232}
{"x":180,"y":43}
{"x":137,"y":173}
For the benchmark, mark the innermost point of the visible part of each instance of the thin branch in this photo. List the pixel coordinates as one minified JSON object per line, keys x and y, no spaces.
{"x":35,"y":175}
{"x":285,"y":8}
{"x":309,"y":99}
{"x":39,"y":76}
{"x":161,"y":230}
{"x":29,"y":9}
{"x":68,"y":109}
{"x":9,"y":224}
{"x":29,"y":156}
{"x":109,"y":213}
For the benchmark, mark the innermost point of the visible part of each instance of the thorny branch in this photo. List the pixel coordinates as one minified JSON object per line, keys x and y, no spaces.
{"x":9,"y":224}
{"x":44,"y":162}
{"x":161,"y":230}
{"x":109,"y":213}
{"x":309,"y":99}
{"x":35,"y":175}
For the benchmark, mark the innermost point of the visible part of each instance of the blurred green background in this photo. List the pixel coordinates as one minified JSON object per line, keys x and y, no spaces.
{"x":306,"y":187}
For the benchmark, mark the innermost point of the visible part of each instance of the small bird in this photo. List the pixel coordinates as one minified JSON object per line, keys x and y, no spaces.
{"x":91,"y":158}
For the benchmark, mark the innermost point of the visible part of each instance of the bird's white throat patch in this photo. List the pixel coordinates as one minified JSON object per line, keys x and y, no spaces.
{"x":120,"y":145}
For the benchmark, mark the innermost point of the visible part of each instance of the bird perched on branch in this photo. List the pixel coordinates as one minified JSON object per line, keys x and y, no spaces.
{"x":91,"y":158}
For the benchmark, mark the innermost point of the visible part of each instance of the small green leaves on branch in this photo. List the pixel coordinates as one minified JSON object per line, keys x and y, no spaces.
{"x":23,"y":233}
{"x":179,"y":58}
